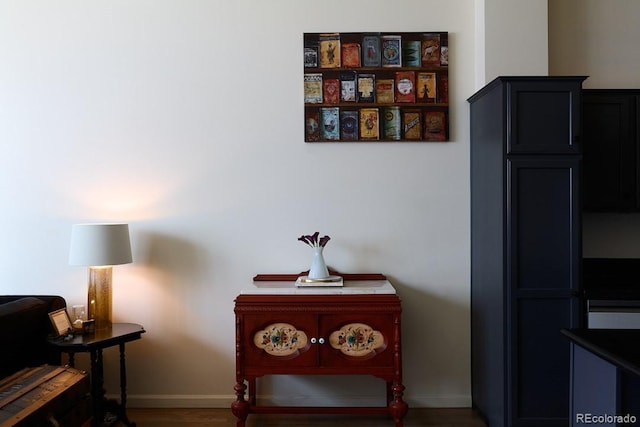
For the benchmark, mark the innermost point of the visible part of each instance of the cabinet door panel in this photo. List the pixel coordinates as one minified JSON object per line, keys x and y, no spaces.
{"x":545,"y":231}
{"x":609,"y":152}
{"x":357,"y":340}
{"x":540,"y":360}
{"x":543,"y":117}
{"x":279,"y":340}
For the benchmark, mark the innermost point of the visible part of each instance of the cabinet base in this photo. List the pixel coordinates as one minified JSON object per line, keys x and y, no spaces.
{"x":397,"y":408}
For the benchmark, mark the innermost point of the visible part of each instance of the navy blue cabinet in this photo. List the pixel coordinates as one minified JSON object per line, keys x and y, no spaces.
{"x":525,"y":247}
{"x":610,"y":150}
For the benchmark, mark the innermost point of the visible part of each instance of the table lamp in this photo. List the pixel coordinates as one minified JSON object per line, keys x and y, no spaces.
{"x":100,"y":246}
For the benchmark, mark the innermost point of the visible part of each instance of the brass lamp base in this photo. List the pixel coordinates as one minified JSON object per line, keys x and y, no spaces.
{"x":99,"y":301}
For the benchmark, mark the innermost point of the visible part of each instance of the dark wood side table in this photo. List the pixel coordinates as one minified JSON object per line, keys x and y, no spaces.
{"x":351,"y":330}
{"x":118,"y":334}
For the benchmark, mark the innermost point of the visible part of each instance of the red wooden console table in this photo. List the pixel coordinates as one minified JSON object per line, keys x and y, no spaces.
{"x":349,"y":330}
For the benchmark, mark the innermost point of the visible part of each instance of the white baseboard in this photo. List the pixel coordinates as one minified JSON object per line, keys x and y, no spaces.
{"x":224,"y":401}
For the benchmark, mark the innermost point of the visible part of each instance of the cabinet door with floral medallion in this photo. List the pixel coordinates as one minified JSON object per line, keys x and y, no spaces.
{"x":357,"y":340}
{"x":279,"y":340}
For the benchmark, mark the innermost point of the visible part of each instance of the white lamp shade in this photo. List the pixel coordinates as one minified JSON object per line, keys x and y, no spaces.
{"x":100,"y":244}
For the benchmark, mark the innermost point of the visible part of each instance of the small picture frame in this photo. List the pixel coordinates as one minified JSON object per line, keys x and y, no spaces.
{"x":88,"y":326}
{"x":60,"y":321}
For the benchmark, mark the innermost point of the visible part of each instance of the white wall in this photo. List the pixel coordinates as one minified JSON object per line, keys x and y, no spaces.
{"x":597,"y":38}
{"x":184,"y":118}
{"x":514,"y":38}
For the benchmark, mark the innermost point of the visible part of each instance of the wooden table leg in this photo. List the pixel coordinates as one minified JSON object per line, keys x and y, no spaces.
{"x":72,"y":360}
{"x":240,"y":407}
{"x":97,"y":386}
{"x":122,"y":415}
{"x":397,"y":407}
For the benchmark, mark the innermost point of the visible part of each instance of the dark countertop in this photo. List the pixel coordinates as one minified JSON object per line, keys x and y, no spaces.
{"x":621,"y":347}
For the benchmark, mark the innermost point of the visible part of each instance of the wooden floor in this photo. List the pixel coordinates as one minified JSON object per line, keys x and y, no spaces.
{"x":458,"y":417}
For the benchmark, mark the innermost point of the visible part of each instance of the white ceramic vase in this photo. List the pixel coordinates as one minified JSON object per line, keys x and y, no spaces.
{"x":318,"y":268}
